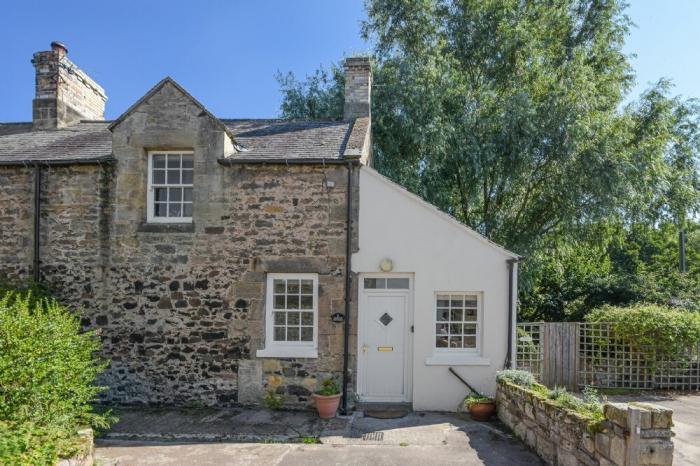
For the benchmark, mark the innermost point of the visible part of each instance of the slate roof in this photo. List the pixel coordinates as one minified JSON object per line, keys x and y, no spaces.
{"x":263,"y":140}
{"x":285,"y":139}
{"x":83,"y":142}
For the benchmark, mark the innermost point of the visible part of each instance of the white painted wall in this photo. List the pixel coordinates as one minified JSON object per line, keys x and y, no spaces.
{"x":443,"y":255}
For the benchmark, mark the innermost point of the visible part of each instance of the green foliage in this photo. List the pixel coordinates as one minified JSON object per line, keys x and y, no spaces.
{"x":319,"y":96}
{"x":655,"y":330}
{"x":29,"y":443}
{"x":590,"y":405}
{"x":310,"y":440}
{"x":610,"y":265}
{"x":509,"y":116}
{"x":516,"y":376}
{"x":329,"y":387}
{"x":47,"y":374}
{"x":476,"y":399}
{"x":273,"y":400}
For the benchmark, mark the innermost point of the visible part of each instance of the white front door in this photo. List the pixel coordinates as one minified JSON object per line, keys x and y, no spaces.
{"x":383,"y":339}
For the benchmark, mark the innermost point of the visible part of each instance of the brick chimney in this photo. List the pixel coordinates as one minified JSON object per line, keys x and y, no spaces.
{"x":358,"y":87}
{"x":64,"y":93}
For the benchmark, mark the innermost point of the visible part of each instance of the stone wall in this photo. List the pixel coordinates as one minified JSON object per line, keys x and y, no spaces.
{"x":16,"y":223}
{"x":74,"y":234}
{"x":180,"y":308}
{"x":631,"y":434}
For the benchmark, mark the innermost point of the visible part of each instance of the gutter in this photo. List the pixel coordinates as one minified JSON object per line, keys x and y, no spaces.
{"x":309,"y":161}
{"x":37,"y":220}
{"x":512,"y":264}
{"x":54,"y":162}
{"x":348,"y":292}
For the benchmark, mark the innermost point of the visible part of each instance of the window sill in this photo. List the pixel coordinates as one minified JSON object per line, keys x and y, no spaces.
{"x":457,"y":360}
{"x":166,"y":227}
{"x":287,"y":352}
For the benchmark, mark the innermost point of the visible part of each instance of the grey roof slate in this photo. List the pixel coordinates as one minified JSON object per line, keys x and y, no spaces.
{"x":84,"y":142}
{"x":89,"y":142}
{"x":290,"y":139}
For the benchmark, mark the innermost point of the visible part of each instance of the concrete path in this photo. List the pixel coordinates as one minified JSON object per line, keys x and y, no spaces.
{"x":686,"y":421}
{"x":417,"y":439}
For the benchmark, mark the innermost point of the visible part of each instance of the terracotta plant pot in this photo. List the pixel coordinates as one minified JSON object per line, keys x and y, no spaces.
{"x":482,"y":411}
{"x":326,"y":405}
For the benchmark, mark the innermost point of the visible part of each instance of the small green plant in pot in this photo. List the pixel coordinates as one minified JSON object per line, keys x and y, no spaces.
{"x":480,"y":407}
{"x":327,"y":398}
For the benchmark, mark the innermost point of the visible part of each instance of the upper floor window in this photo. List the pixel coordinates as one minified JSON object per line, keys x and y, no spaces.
{"x":170,"y":178}
{"x":457,"y":321}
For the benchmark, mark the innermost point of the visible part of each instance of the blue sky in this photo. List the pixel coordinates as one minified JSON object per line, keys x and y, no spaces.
{"x":226,"y":53}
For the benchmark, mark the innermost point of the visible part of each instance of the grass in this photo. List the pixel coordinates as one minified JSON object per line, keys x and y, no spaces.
{"x":310,"y":440}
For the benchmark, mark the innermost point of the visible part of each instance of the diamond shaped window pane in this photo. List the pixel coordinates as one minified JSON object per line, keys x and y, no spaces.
{"x":385,"y":319}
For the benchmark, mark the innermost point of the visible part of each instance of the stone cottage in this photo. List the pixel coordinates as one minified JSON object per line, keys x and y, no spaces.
{"x":223,"y":258}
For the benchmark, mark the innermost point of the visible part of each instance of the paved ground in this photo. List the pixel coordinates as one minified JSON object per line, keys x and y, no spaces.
{"x":219,"y":437}
{"x":686,"y":421}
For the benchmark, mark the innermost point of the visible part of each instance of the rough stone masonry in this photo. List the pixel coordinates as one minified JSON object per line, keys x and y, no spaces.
{"x":180,"y":308}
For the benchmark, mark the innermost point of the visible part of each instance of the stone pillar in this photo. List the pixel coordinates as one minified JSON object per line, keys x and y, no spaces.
{"x":358,"y":87}
{"x":64,"y":93}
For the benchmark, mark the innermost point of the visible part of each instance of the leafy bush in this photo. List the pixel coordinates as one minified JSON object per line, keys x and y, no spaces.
{"x":28,"y":443}
{"x":273,"y":400}
{"x":655,"y":330}
{"x":329,"y":387}
{"x":516,"y":376}
{"x":47,"y":373}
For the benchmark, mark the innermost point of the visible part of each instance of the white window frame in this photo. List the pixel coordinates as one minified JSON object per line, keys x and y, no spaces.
{"x":150,"y":208}
{"x":479,"y":323}
{"x":288,"y":349}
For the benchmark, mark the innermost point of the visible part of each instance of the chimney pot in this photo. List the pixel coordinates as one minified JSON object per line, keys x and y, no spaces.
{"x":59,"y":48}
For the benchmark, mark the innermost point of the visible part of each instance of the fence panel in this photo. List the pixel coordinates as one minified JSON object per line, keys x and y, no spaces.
{"x":529,"y":352}
{"x":560,"y":345}
{"x":576,"y":354}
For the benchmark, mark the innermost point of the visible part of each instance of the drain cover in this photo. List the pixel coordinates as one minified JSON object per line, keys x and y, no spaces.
{"x":375,"y":436}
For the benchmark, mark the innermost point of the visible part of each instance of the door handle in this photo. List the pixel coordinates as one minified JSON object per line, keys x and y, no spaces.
{"x":365,"y":348}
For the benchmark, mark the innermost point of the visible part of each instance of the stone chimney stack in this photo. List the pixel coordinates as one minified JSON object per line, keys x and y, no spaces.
{"x":64,"y":93}
{"x":358,"y":87}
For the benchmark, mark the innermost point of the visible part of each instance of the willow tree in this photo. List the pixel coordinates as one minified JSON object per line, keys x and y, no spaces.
{"x":508,"y":115}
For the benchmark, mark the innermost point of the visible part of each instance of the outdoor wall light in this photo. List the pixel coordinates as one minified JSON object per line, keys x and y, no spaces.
{"x":386,"y":265}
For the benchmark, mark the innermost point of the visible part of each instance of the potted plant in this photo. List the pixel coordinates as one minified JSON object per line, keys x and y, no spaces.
{"x":480,"y":407}
{"x":327,"y":398}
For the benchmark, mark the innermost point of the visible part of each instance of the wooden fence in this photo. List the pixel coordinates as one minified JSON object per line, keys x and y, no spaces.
{"x":577,"y":354}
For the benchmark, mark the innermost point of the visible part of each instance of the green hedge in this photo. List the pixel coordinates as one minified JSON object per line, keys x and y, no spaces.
{"x":48,"y":368}
{"x":658,"y":331}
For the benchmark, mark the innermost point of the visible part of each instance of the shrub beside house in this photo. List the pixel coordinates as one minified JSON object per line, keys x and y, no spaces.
{"x":47,"y":371}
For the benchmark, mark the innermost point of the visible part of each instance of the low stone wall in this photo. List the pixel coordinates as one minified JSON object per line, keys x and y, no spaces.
{"x":86,"y":455}
{"x":631,"y":434}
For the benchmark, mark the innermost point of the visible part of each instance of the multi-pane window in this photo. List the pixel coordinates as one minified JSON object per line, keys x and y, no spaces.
{"x":457,"y":321}
{"x":170,"y":182}
{"x":292,"y":308}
